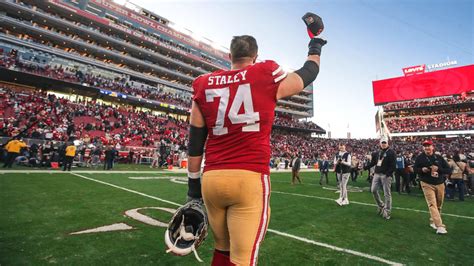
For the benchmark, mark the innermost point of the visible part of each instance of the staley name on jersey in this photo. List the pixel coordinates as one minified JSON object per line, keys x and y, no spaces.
{"x":227,"y":79}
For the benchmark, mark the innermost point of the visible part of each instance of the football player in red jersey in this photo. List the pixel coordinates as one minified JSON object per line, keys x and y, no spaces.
{"x":232,"y":115}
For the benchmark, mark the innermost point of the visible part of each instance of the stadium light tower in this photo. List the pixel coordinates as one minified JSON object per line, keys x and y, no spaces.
{"x":348,"y":132}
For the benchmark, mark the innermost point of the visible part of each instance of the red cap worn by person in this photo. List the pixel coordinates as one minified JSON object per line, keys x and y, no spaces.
{"x":427,"y":143}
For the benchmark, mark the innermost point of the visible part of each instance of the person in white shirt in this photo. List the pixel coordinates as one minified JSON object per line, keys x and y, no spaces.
{"x":155,"y":159}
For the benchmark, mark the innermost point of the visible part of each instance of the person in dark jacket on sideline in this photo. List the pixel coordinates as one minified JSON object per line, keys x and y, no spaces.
{"x":384,"y":161}
{"x":109,"y":158}
{"x":401,"y":174}
{"x":323,"y":169}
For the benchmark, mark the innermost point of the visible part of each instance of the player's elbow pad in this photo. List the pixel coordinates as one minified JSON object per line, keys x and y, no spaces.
{"x":197,"y":139}
{"x":308,"y":72}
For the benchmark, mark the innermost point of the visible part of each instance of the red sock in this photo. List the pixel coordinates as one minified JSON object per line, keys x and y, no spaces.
{"x":221,"y":258}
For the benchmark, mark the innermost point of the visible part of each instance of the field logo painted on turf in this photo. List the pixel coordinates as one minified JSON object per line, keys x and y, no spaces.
{"x":134,"y":214}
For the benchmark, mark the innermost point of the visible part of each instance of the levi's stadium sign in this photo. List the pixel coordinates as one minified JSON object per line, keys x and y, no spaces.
{"x":413,"y":70}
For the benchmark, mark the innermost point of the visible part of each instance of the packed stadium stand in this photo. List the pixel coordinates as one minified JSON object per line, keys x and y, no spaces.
{"x":433,"y":114}
{"x":61,"y":120}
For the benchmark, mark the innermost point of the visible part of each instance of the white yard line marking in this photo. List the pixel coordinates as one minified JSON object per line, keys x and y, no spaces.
{"x":369,"y":204}
{"x":128,"y":190}
{"x":348,"y":251}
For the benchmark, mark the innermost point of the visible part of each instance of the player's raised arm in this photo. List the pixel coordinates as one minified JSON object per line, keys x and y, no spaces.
{"x":295,"y":82}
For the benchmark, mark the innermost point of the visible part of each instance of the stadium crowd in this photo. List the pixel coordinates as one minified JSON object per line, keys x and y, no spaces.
{"x":39,"y":66}
{"x":129,"y":127}
{"x":290,"y":122}
{"x":289,"y":145}
{"x":123,"y":124}
{"x":438,"y":101}
{"x":60,"y":119}
{"x":459,"y":121}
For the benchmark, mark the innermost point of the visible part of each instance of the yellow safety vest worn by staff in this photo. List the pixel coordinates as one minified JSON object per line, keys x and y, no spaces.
{"x":15,"y":146}
{"x":71,"y":150}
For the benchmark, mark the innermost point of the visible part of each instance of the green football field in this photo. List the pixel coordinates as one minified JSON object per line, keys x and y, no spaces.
{"x":39,"y":211}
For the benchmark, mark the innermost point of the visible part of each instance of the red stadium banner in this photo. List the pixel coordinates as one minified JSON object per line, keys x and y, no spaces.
{"x":432,"y":84}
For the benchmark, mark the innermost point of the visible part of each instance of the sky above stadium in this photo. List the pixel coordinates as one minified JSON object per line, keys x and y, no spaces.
{"x":367,"y":40}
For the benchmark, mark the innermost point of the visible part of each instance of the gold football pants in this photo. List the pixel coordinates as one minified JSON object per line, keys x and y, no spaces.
{"x":237,"y":203}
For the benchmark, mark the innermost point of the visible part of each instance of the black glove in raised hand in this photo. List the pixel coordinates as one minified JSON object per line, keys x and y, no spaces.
{"x":315,"y":46}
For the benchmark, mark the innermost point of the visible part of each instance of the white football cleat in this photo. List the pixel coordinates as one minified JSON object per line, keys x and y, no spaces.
{"x":441,"y":231}
{"x":345,"y":202}
{"x":432,"y":225}
{"x":339,"y":201}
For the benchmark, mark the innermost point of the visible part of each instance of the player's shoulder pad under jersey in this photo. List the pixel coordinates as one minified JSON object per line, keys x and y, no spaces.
{"x":273,"y":69}
{"x":197,"y":84}
{"x":197,"y":81}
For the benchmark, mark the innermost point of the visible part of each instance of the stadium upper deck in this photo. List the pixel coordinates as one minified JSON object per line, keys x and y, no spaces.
{"x":119,"y":42}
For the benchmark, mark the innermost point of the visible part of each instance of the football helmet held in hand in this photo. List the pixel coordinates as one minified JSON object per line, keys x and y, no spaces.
{"x":187,"y":229}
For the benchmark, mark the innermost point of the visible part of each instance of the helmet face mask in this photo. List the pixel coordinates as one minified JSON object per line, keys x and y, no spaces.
{"x":187,"y":229}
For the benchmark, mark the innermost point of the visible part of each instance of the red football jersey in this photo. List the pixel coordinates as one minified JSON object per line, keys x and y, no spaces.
{"x":238,"y":107}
